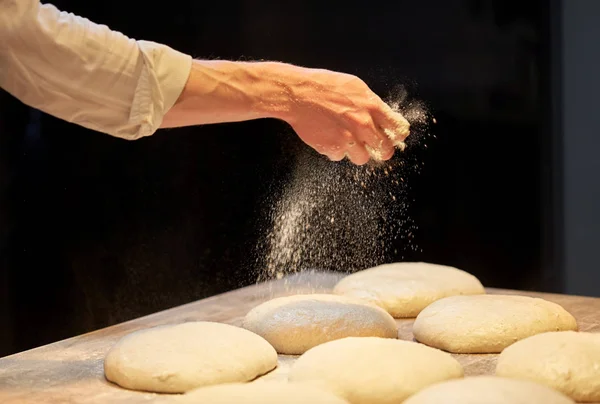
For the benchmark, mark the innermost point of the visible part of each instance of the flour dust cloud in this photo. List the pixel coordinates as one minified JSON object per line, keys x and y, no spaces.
{"x":338,"y":216}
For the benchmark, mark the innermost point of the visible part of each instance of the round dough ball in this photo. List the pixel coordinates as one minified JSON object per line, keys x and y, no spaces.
{"x":260,"y":393}
{"x":566,"y":361}
{"x":488,"y":390}
{"x":294,"y":324}
{"x":487,"y":323}
{"x":406,"y":288}
{"x":178,"y":358}
{"x":374,"y":370}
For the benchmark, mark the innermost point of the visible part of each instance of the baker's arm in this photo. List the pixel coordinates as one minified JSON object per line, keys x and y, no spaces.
{"x":86,"y":73}
{"x":335,"y":113}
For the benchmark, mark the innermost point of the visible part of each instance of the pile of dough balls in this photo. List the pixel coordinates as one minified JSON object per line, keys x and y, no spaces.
{"x":350,"y":352}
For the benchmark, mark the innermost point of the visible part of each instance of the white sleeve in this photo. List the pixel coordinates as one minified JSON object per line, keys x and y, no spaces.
{"x":84,"y":73}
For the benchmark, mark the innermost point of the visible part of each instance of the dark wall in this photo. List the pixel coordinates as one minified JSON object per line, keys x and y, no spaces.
{"x":581,"y":165}
{"x":97,"y":230}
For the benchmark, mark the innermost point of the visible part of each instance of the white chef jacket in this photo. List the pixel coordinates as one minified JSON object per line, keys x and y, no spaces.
{"x":82,"y":72}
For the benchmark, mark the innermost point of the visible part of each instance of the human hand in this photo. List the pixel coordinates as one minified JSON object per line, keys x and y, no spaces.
{"x":334,"y":113}
{"x":339,"y":116}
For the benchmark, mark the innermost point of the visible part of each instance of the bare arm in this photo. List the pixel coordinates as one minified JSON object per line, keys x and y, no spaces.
{"x":335,"y":113}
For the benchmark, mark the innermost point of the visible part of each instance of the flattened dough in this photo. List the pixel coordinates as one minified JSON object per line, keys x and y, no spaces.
{"x":260,"y":393}
{"x":178,"y":358}
{"x":566,"y":361}
{"x":294,"y":324}
{"x":487,"y":323}
{"x":374,"y":370}
{"x":406,"y":288}
{"x":488,"y":390}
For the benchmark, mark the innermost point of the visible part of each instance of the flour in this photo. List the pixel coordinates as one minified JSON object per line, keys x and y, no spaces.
{"x":342,"y":217}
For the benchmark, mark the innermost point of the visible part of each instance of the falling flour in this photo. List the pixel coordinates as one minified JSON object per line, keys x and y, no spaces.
{"x":341,"y":217}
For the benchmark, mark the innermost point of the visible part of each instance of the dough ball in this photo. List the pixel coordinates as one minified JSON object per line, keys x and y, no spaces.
{"x":260,"y":393}
{"x":178,"y":358}
{"x":294,"y":324}
{"x":374,"y":370}
{"x":406,"y":288}
{"x":566,"y":361}
{"x":487,"y":323}
{"x":488,"y":390}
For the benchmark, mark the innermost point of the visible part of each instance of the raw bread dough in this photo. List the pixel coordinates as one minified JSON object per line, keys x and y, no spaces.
{"x":260,"y":393}
{"x":178,"y":358}
{"x":374,"y":370}
{"x":487,"y":323}
{"x":406,"y":288}
{"x":294,"y":324}
{"x":488,"y":390}
{"x":566,"y":361}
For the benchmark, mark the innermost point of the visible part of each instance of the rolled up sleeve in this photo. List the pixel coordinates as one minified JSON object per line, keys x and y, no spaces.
{"x":85,"y":73}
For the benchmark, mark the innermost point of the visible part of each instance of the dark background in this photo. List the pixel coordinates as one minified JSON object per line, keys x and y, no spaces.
{"x":97,"y":230}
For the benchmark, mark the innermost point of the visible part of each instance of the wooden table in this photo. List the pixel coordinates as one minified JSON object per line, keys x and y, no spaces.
{"x":71,"y":371}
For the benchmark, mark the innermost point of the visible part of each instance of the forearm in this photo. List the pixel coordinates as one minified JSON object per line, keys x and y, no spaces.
{"x":223,"y":91}
{"x":335,"y":113}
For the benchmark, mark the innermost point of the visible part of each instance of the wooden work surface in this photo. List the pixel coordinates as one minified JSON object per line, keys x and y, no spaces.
{"x":71,"y":371}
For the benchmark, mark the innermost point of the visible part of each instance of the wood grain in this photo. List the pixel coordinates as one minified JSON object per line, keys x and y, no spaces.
{"x":71,"y":371}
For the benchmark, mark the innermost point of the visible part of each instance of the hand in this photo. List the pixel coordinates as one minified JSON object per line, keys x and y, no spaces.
{"x":335,"y":113}
{"x":339,"y":116}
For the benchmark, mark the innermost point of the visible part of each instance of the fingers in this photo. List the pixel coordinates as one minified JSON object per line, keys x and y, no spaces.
{"x":357,"y":153}
{"x":336,"y":156}
{"x":366,"y":143}
{"x":376,"y":143}
{"x":353,"y":149}
{"x":335,"y":152}
{"x":365,"y":139}
{"x":392,"y":124}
